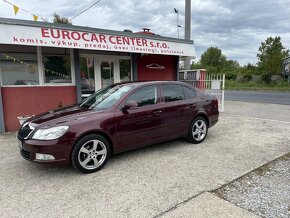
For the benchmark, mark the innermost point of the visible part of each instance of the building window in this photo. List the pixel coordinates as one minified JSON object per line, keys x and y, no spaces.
{"x":20,"y":67}
{"x":56,"y":65}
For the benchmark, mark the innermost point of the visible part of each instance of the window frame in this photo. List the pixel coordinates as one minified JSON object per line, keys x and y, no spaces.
{"x":39,"y":82}
{"x":58,"y":84}
{"x":41,"y":73}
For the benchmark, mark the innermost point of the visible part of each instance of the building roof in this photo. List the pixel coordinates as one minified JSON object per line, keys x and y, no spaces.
{"x":19,"y":22}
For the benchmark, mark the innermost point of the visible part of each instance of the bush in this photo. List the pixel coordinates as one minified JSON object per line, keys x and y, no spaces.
{"x":266,"y":77}
{"x":231,"y":76}
{"x":247,"y":77}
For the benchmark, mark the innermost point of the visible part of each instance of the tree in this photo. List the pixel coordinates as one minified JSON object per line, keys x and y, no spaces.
{"x":212,"y":57}
{"x":196,"y":65}
{"x":214,"y":61}
{"x":58,"y":19}
{"x":230,"y":66}
{"x":270,"y":56}
{"x":248,"y":69}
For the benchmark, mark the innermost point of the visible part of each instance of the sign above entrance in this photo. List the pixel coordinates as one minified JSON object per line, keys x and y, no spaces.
{"x":155,"y":66}
{"x":41,"y":36}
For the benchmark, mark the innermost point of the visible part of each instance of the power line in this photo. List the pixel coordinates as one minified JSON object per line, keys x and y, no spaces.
{"x":85,"y":10}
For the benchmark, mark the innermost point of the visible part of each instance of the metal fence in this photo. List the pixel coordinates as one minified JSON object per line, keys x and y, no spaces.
{"x":213,"y":84}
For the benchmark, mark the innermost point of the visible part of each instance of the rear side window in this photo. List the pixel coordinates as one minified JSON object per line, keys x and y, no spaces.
{"x":188,"y":93}
{"x":172,"y":93}
{"x":144,"y":96}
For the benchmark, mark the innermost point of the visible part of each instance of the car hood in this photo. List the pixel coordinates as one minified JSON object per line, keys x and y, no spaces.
{"x":60,"y":116}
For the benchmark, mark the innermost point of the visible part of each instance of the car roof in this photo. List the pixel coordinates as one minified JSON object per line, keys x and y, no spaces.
{"x":140,"y":83}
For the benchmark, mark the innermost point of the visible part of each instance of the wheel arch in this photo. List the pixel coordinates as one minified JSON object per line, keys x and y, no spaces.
{"x":203,"y":115}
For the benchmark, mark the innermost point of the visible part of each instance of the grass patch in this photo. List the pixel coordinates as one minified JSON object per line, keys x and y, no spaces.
{"x":235,"y":85}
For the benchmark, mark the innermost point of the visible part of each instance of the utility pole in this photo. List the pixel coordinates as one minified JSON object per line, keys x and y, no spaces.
{"x":187,"y":30}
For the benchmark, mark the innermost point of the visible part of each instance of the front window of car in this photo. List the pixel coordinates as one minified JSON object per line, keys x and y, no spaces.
{"x":106,"y":97}
{"x":145,"y":96}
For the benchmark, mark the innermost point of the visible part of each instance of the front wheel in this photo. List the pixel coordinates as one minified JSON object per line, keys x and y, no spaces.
{"x":198,"y":130}
{"x":90,"y":153}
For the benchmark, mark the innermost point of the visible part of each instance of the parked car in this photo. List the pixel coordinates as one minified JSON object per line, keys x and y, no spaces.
{"x":87,"y":89}
{"x":117,"y":118}
{"x":26,"y":82}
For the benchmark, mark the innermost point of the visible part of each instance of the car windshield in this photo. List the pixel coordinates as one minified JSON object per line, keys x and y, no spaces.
{"x":105,"y":98}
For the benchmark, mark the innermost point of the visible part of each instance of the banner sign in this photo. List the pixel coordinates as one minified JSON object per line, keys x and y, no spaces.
{"x":62,"y":38}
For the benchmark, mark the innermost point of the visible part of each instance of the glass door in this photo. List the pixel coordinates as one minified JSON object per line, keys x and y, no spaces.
{"x":99,"y":71}
{"x":125,"y":70}
{"x":107,"y":73}
{"x":87,"y":75}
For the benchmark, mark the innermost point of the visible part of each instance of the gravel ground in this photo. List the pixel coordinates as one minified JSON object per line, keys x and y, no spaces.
{"x":265,"y":191}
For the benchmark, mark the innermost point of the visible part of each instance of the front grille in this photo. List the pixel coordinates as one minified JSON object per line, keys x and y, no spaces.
{"x":24,"y":132}
{"x":25,"y":154}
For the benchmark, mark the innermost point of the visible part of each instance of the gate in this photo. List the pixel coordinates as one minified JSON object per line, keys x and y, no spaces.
{"x":213,"y":84}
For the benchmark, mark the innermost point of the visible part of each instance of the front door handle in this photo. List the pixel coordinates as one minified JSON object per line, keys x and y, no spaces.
{"x":157,"y":112}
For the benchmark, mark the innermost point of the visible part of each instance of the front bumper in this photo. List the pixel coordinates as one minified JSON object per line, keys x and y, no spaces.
{"x":59,"y":148}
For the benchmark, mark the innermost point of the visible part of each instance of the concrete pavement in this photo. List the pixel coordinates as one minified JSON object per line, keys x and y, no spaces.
{"x":258,"y":110}
{"x":208,"y":205}
{"x":147,"y":182}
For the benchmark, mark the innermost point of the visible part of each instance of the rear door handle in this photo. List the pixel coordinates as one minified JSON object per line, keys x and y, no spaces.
{"x":157,"y":112}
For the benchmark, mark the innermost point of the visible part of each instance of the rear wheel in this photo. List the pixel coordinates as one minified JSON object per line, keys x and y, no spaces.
{"x":90,"y":153}
{"x":198,"y":130}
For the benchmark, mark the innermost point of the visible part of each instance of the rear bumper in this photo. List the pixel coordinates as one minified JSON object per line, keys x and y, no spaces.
{"x":59,"y":149}
{"x":213,"y":119}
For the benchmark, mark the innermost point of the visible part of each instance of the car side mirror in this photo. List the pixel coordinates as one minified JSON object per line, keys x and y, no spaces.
{"x":130,"y":105}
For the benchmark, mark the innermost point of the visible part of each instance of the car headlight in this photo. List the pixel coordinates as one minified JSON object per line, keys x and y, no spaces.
{"x":51,"y":133}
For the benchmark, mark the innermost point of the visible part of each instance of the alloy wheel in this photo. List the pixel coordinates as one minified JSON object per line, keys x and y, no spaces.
{"x":199,"y":130}
{"x":92,"y":154}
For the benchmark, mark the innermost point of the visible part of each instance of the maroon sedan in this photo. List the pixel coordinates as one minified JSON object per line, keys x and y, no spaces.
{"x":117,"y":118}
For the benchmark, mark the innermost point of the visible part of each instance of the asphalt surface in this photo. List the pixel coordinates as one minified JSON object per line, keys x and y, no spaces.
{"x":259,"y":96}
{"x":150,"y":182}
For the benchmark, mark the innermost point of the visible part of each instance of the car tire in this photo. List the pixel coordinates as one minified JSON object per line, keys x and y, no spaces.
{"x":198,"y":130}
{"x":90,"y":153}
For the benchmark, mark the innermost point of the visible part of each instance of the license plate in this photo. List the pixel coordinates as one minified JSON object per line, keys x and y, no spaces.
{"x":19,"y":144}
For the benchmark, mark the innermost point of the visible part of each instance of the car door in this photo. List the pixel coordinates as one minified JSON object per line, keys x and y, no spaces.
{"x":189,"y":110}
{"x":142,"y":125}
{"x":173,"y":106}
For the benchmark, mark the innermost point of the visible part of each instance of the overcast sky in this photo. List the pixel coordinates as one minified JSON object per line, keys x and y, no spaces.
{"x":237,"y":27}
